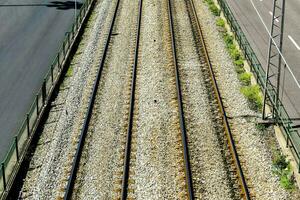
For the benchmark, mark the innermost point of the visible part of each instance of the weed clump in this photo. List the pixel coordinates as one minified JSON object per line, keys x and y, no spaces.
{"x":283,"y":169}
{"x":252,"y":93}
{"x":220,"y":22}
{"x":213,"y":8}
{"x":245,"y":78}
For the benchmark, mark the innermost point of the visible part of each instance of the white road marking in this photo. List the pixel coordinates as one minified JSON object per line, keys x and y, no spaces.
{"x":294,"y":42}
{"x":274,"y":17}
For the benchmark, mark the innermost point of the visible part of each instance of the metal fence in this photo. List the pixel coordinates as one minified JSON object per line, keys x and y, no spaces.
{"x":21,"y":141}
{"x":291,"y":135}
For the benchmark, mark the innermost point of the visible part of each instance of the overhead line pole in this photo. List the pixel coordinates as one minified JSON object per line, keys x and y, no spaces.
{"x":273,"y":71}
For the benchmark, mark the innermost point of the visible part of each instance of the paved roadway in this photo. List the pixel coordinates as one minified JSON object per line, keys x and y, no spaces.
{"x":258,"y":37}
{"x":30,"y":34}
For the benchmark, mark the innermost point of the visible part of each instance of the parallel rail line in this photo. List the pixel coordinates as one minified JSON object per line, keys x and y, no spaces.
{"x":232,"y":147}
{"x":76,"y":160}
{"x":124,"y":189}
{"x":188,"y":174}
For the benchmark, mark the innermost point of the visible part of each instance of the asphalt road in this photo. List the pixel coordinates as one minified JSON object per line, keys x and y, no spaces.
{"x":31,"y":32}
{"x":258,"y":38}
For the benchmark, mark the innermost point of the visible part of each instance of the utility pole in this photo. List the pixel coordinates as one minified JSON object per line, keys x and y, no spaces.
{"x":274,"y":64}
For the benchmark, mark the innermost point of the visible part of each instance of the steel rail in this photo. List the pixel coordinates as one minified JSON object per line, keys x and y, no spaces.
{"x":71,"y":180}
{"x":124,"y":191}
{"x":188,"y":174}
{"x":242,"y":179}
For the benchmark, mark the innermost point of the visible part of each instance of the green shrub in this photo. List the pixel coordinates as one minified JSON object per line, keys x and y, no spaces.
{"x":228,"y":40}
{"x":245,"y":78}
{"x":279,"y":161}
{"x":287,"y":182}
{"x":231,"y":46}
{"x":283,"y":170}
{"x":239,"y":69}
{"x":220,"y":22}
{"x":214,"y":9}
{"x":239,"y":63}
{"x":210,"y":2}
{"x":261,"y":127}
{"x":252,"y":93}
{"x":235,"y":54}
{"x":69,"y":72}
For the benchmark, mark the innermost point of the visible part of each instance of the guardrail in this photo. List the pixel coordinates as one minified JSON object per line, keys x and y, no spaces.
{"x":291,"y":135}
{"x":11,"y":164}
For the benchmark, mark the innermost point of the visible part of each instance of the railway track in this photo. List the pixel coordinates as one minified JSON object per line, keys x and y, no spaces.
{"x":216,"y":96}
{"x":125,"y":183}
{"x":188,"y":175}
{"x":76,"y":160}
{"x":124,"y":191}
{"x":126,"y":180}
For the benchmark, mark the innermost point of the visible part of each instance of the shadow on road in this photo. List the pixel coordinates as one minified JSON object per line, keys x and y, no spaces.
{"x":59,"y":5}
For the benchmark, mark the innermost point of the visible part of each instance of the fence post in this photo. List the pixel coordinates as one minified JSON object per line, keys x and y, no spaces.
{"x":17,"y":148}
{"x":52,"y":73}
{"x":44,"y":91}
{"x":28,"y":128}
{"x":64,"y":48}
{"x":58,"y":61}
{"x":287,"y":140}
{"x":3,"y":176}
{"x":69,"y":34}
{"x":37,"y":104}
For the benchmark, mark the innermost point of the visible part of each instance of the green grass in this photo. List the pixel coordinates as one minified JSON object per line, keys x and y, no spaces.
{"x":213,"y":8}
{"x":233,"y":50}
{"x":69,"y":72}
{"x":239,"y":63}
{"x":239,"y":69}
{"x":252,"y":93}
{"x":287,"y":182}
{"x":228,"y":40}
{"x":261,"y":127}
{"x":245,"y":78}
{"x":284,"y":172}
{"x":279,"y":161}
{"x":235,"y":53}
{"x":220,"y":22}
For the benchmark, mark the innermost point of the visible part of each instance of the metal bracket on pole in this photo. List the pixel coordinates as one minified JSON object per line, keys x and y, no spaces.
{"x":273,"y":72}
